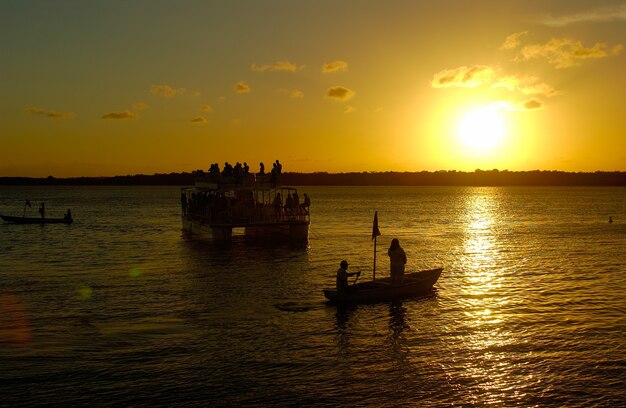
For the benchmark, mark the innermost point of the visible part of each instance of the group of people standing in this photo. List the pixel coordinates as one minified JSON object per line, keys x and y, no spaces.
{"x":292,"y":204}
{"x":239,"y":172}
{"x":397,"y":261}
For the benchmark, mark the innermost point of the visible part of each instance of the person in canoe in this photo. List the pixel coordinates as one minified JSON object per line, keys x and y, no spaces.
{"x":342,"y":277}
{"x":397,"y":260}
{"x":42,"y":210}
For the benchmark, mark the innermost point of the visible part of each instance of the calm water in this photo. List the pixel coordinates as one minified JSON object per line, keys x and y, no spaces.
{"x":120,"y":309}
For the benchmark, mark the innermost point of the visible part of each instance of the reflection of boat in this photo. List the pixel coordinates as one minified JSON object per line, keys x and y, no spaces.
{"x":217,"y":204}
{"x":414,"y":284}
{"x":35,"y":220}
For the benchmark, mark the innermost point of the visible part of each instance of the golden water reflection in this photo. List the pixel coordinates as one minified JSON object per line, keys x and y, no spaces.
{"x":487,"y":347}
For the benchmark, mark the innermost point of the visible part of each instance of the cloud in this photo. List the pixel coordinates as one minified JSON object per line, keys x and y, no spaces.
{"x":140,"y":106}
{"x":464,"y":77}
{"x":567,"y":52}
{"x":482,"y":75}
{"x":277,"y":66}
{"x":241,"y":87}
{"x":528,"y":85}
{"x":510,"y":106}
{"x":166,"y":91}
{"x":598,"y":15}
{"x":206,"y":108}
{"x":293,"y":93}
{"x":349,"y":109}
{"x":335,"y":66}
{"x":50,"y":114}
{"x":120,"y":115}
{"x":340,"y":93}
{"x":532,"y":104}
{"x":513,"y":41}
{"x":199,"y":120}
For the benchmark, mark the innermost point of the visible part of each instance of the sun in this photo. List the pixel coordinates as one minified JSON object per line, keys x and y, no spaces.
{"x":482,"y":129}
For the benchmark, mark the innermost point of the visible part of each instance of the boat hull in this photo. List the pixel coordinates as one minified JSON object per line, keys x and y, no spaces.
{"x":206,"y":231}
{"x":33,"y":220}
{"x":289,"y":230}
{"x":381,"y":290}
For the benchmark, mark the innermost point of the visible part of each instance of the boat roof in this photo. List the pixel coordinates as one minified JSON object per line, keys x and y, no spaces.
{"x":216,"y":188}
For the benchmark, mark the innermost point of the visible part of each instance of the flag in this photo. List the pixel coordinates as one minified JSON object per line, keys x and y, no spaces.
{"x":28,"y":203}
{"x":375,"y":230}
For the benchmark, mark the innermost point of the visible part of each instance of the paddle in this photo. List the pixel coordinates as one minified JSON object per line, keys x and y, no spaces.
{"x":357,"y":277}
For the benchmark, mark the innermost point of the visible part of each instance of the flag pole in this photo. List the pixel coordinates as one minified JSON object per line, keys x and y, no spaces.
{"x":374,"y":274}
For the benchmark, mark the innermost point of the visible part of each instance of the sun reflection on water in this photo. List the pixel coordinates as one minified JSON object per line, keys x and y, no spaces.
{"x":488,"y":346}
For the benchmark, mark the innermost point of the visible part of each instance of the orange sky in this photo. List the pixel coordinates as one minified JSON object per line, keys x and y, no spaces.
{"x":113,"y":88}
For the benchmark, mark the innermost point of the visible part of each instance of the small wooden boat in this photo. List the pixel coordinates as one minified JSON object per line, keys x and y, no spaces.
{"x":380,"y":290}
{"x":35,"y":220}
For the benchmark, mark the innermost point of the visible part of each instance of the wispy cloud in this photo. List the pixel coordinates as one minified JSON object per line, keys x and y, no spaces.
{"x":277,"y":66}
{"x":50,"y":114}
{"x":199,"y":120}
{"x":567,"y":52}
{"x":513,"y":41}
{"x":340,"y":93}
{"x":166,"y":91}
{"x":140,"y":106}
{"x":464,"y":77}
{"x":349,"y":109}
{"x":528,"y":85}
{"x":335,"y":66}
{"x":482,"y":75}
{"x":120,"y":115}
{"x":206,"y":108}
{"x":532,"y":104}
{"x":292,"y":93}
{"x":597,"y":15}
{"x":241,"y":87}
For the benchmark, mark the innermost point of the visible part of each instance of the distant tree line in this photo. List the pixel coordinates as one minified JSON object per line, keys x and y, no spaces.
{"x":390,"y":178}
{"x":459,"y":178}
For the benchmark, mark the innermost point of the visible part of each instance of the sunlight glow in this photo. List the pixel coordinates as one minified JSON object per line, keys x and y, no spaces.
{"x":482,"y":129}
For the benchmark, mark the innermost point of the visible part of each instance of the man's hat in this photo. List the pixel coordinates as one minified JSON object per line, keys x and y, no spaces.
{"x":344,"y":262}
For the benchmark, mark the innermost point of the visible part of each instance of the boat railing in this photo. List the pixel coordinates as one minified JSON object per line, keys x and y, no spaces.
{"x":241,"y":215}
{"x":250,"y":180}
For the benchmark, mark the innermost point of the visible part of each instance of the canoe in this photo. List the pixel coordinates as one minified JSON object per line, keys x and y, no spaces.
{"x":380,"y":290}
{"x":35,"y":220}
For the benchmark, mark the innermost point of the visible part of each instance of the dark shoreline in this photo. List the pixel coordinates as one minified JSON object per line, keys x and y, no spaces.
{"x":390,"y":178}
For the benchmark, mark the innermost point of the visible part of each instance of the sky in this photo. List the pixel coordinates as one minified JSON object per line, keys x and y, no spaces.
{"x":103,"y":88}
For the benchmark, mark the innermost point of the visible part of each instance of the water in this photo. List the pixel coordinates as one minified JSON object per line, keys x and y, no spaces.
{"x":120,"y":309}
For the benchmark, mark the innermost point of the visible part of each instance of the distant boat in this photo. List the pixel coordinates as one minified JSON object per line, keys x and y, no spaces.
{"x":381,"y":290}
{"x":35,"y":220}
{"x":217,"y":204}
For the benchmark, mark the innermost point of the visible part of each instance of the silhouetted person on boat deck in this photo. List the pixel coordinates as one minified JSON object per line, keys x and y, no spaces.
{"x":296,"y":202}
{"x":261,"y":168}
{"x":238,"y":172}
{"x":279,"y":168}
{"x":68,"y":215}
{"x":42,"y":210}
{"x":289,"y":204}
{"x":274,"y":175}
{"x":342,"y":277}
{"x":306,"y":204}
{"x":277,"y":204}
{"x":397,"y":259}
